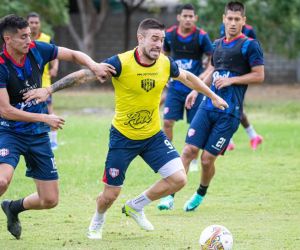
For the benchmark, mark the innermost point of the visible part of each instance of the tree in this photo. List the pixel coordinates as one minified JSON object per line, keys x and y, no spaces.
{"x":52,"y":12}
{"x":277,"y":22}
{"x":91,"y":21}
{"x":130,"y":6}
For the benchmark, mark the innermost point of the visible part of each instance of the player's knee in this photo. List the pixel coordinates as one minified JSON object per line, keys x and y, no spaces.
{"x":180,"y":180}
{"x":49,"y":202}
{"x":189,"y":152}
{"x":3,"y":185}
{"x":206,"y":162}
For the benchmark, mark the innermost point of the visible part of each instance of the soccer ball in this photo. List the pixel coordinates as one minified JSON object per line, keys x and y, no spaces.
{"x":216,"y":237}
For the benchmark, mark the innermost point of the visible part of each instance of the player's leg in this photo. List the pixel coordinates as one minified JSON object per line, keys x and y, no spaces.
{"x":255,"y":139}
{"x":11,"y":149}
{"x":162,"y":157}
{"x":215,"y":144}
{"x":119,"y":156}
{"x":190,"y":113}
{"x":104,"y":201}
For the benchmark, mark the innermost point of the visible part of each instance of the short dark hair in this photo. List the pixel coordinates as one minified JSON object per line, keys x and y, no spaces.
{"x":11,"y":23}
{"x":235,"y":6}
{"x":150,"y":23}
{"x":187,"y":6}
{"x":33,"y":14}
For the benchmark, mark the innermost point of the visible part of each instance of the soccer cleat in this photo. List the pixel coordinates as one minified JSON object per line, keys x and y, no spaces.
{"x":256,"y":141}
{"x":95,"y":230}
{"x":139,"y":217}
{"x":13,"y":222}
{"x":193,"y":202}
{"x":54,"y":145}
{"x":231,"y":146}
{"x":166,"y":203}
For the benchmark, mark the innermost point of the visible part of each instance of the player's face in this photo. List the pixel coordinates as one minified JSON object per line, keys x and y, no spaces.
{"x":34,"y":24}
{"x":151,"y":43}
{"x":234,"y":22}
{"x":20,"y":41}
{"x":187,"y":19}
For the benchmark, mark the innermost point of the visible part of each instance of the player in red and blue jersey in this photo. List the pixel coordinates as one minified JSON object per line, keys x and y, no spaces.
{"x":255,"y":139}
{"x":186,"y":44}
{"x":24,"y":126}
{"x":237,"y":62}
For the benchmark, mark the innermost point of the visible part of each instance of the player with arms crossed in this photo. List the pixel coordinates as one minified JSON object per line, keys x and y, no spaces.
{"x":141,"y":75}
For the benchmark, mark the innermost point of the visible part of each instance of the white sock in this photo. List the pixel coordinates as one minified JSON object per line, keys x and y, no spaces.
{"x":231,"y":141}
{"x":139,"y":202}
{"x":53,"y":136}
{"x":251,"y":132}
{"x":98,"y":216}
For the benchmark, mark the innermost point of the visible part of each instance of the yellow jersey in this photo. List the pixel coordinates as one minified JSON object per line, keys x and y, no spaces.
{"x":138,"y":91}
{"x":46,"y":78}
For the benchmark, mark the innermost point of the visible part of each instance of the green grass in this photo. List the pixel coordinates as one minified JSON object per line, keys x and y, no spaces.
{"x":254,"y":194}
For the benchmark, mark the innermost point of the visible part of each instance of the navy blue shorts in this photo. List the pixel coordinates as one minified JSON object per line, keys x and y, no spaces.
{"x":156,"y":151}
{"x":212,"y":131}
{"x":175,"y":106}
{"x":36,"y":150}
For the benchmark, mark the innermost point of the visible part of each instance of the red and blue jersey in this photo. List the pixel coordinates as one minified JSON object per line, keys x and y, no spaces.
{"x":20,"y":78}
{"x":244,"y":51}
{"x":187,"y":51}
{"x":247,"y":30}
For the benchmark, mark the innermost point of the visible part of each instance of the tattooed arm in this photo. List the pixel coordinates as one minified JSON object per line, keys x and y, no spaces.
{"x":77,"y":78}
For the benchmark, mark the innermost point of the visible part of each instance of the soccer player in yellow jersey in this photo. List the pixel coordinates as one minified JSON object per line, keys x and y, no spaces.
{"x":34,"y":22}
{"x":141,"y":75}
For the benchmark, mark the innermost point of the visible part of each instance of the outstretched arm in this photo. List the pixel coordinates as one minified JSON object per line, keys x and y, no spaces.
{"x":76,"y":78}
{"x":195,"y":83}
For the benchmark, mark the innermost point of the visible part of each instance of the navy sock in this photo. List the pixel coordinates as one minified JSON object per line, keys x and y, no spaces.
{"x":202,"y":190}
{"x":17,"y":206}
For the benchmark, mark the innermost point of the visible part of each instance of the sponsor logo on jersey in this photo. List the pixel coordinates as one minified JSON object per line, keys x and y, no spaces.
{"x":139,"y":119}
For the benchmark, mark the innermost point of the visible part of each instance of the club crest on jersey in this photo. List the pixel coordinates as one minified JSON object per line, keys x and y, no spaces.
{"x":113,"y":172}
{"x":4,"y":152}
{"x":148,"y":84}
{"x":191,"y":132}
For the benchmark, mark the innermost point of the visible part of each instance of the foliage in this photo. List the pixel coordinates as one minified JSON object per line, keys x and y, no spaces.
{"x":277,"y":22}
{"x":53,"y":12}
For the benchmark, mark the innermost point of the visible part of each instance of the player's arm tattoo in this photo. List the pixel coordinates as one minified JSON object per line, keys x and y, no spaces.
{"x":74,"y":79}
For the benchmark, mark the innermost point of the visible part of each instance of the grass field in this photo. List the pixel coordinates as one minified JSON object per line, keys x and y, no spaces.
{"x":256,"y":195}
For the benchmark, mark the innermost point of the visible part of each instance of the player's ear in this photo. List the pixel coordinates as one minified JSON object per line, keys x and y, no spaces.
{"x":178,"y":17}
{"x":140,"y":37}
{"x":224,"y":16}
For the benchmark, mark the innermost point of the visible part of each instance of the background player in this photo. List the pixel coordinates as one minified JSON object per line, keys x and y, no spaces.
{"x":237,"y":61}
{"x":255,"y":139}
{"x":186,"y":44}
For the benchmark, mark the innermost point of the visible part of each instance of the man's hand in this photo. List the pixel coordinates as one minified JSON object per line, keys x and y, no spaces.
{"x":54,"y":121}
{"x":40,"y":95}
{"x":219,"y":103}
{"x":103,"y":71}
{"x":190,"y":99}
{"x":223,"y":82}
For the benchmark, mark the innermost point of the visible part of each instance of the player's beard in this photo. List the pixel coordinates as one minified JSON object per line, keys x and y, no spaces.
{"x":149,"y":56}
